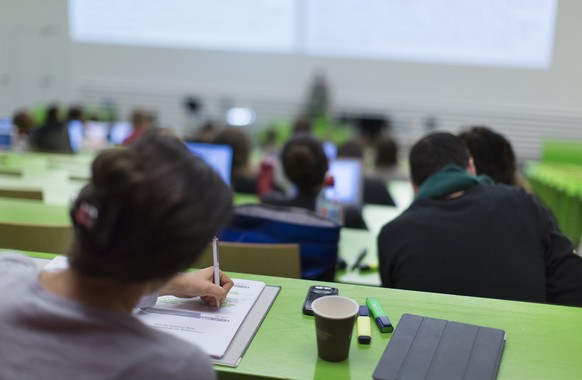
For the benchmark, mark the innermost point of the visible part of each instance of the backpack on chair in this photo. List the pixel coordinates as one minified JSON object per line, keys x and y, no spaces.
{"x":317,"y":236}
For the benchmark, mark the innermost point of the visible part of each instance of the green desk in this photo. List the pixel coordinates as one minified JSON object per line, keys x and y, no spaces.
{"x":559,"y":186}
{"x":76,"y":166}
{"x":351,"y":242}
{"x":543,"y":341}
{"x":241,"y":199}
{"x":377,"y":216}
{"x":35,"y":212}
{"x":56,"y":191}
{"x":401,"y":192}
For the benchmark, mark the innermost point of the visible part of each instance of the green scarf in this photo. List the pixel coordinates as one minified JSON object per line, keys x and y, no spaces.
{"x":450,"y":179}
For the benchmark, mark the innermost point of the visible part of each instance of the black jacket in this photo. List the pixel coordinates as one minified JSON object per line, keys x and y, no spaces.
{"x":493,"y":241}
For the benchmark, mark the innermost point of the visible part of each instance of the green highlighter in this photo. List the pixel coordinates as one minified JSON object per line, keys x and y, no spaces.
{"x":379,"y":315}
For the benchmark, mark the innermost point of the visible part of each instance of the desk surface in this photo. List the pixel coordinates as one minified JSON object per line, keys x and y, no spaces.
{"x":351,"y":242}
{"x":34,"y":212}
{"x":543,"y":341}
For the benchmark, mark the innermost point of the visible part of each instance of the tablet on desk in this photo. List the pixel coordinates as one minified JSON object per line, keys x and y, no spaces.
{"x":430,"y":348}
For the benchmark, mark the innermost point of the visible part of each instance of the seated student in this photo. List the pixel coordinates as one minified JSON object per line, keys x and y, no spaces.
{"x":493,"y":156}
{"x":463,"y":236}
{"x":142,"y":123}
{"x":386,"y":166}
{"x":24,"y":127}
{"x":52,"y":136}
{"x":305,"y":165}
{"x":244,"y":177}
{"x":146,"y":214}
{"x":374,"y":190}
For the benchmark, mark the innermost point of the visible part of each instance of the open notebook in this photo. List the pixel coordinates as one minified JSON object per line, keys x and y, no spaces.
{"x":223,"y":333}
{"x":209,"y":327}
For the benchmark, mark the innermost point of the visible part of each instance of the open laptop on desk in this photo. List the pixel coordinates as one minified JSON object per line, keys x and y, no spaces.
{"x":216,"y":155}
{"x":348,"y":177}
{"x":5,"y":133}
{"x":119,"y":131}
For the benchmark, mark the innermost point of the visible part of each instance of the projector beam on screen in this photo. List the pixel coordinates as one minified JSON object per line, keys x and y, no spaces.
{"x":496,"y":33}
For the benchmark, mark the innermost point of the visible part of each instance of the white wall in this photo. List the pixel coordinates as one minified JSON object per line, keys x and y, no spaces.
{"x":526,"y":105}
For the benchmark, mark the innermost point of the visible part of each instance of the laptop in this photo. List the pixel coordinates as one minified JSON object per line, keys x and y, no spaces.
{"x":330,"y":149}
{"x":216,"y":155}
{"x":96,"y":134}
{"x":119,"y":131}
{"x":5,"y":133}
{"x":348,"y":180}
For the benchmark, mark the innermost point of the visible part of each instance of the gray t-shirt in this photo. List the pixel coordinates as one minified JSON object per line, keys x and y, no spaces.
{"x":43,"y":336}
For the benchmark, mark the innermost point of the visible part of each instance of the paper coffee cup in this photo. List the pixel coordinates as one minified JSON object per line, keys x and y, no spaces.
{"x":334,"y":323}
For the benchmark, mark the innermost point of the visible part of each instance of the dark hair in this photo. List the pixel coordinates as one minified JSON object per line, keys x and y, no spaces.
{"x":239,"y":141}
{"x":23,"y":121}
{"x":302,"y":125}
{"x":148,"y":211}
{"x":432,"y":152}
{"x":492,"y":153}
{"x":304,"y":162}
{"x":351,"y":149}
{"x":386,"y":152}
{"x":52,"y":115}
{"x":75,"y":113}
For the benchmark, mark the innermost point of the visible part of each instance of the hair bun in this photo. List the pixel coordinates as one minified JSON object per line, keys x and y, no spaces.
{"x":117,"y":171}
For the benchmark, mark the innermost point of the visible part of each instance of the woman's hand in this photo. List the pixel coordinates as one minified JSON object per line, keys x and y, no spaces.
{"x":199,"y":283}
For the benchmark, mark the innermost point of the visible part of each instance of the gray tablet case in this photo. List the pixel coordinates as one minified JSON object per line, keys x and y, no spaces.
{"x":429,"y":348}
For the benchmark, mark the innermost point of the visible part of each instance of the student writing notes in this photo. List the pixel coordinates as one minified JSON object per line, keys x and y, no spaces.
{"x":146,"y":214}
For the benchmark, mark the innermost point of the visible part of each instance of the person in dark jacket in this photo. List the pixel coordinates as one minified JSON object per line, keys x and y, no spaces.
{"x":464,"y":235}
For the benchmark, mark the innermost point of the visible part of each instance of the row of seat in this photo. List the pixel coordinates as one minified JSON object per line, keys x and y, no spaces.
{"x":38,"y":223}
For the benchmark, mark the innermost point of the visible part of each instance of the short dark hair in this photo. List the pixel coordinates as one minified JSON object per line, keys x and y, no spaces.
{"x":351,"y":149}
{"x":148,"y":211}
{"x":305,"y":162}
{"x":386,"y":152}
{"x":492,"y":153}
{"x":432,"y":152}
{"x":238,"y":139}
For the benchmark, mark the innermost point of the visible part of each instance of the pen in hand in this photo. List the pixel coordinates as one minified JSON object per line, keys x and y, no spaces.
{"x":216,"y":265}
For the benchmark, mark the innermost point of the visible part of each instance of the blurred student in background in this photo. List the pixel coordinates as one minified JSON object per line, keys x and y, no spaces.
{"x":52,"y":135}
{"x":23,"y":129}
{"x":142,"y":122}
{"x":386,"y":165}
{"x":244,"y":176}
{"x":146,"y":215}
{"x":305,"y":165}
{"x":494,"y":156}
{"x":374,"y":190}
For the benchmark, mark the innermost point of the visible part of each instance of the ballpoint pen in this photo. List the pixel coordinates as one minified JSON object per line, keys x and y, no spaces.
{"x":359,"y":258}
{"x":216,"y":265}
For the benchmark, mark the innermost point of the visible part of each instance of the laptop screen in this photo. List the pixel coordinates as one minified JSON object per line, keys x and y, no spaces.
{"x":5,"y":133}
{"x":119,"y":131}
{"x":96,"y":134}
{"x":347,"y":174}
{"x":216,"y":155}
{"x":330,"y":149}
{"x":76,"y":131}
